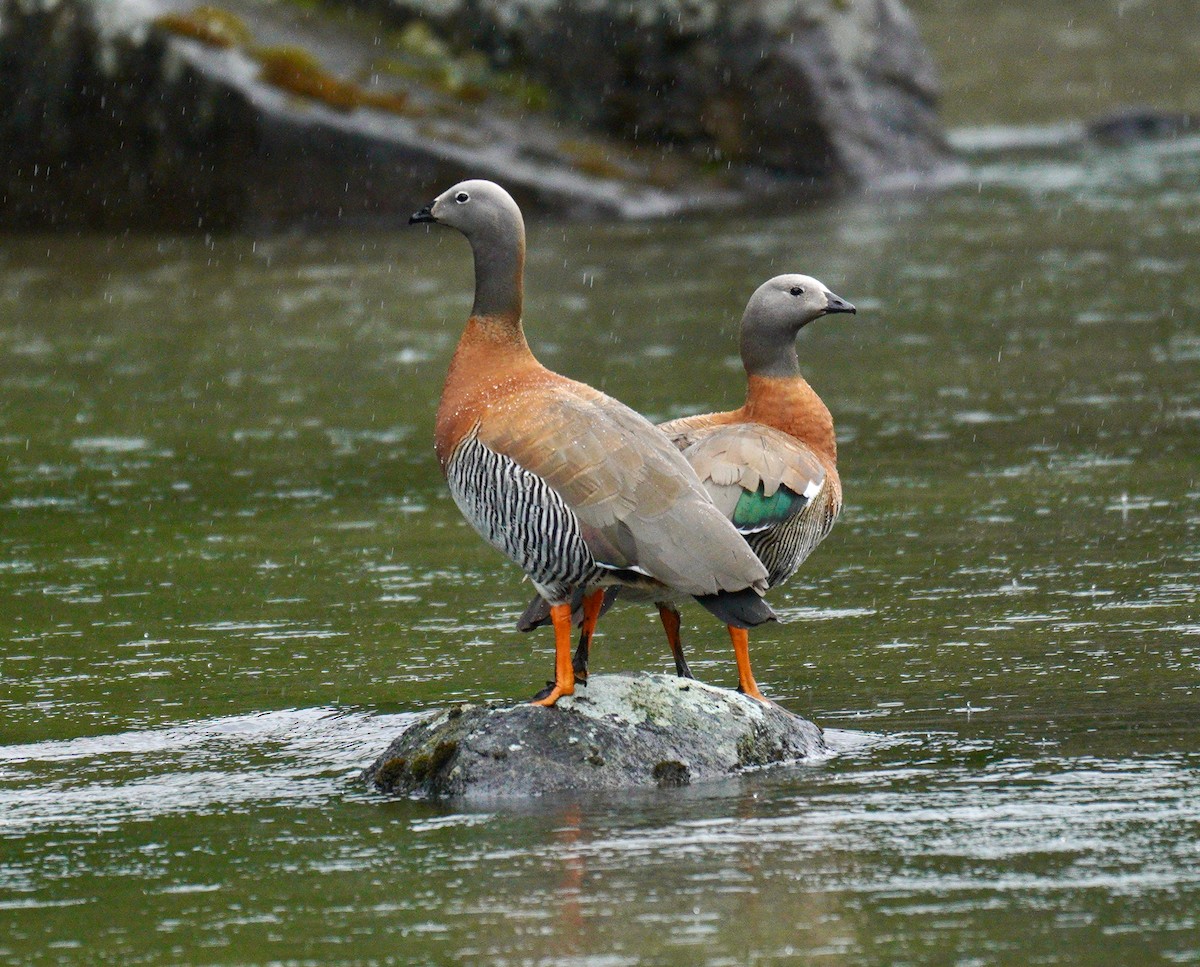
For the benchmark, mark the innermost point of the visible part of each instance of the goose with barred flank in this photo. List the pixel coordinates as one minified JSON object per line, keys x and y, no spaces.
{"x":770,"y":466}
{"x":575,"y":487}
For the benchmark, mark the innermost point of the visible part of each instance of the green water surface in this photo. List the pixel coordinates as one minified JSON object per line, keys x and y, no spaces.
{"x":230,"y":574}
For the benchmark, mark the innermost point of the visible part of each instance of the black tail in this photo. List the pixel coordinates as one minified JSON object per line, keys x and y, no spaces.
{"x":536,"y":615}
{"x":741,"y":609}
{"x":538,"y":612}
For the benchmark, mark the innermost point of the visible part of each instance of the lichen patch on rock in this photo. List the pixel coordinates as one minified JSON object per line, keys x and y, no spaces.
{"x":618,"y":732}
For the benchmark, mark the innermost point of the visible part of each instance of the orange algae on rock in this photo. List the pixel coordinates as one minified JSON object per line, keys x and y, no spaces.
{"x":295,"y":70}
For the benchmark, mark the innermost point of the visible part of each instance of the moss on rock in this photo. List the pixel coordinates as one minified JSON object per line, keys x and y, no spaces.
{"x":297,"y":71}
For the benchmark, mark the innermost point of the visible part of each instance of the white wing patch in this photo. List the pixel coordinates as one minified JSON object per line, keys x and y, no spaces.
{"x":725,"y":474}
{"x":624,"y":567}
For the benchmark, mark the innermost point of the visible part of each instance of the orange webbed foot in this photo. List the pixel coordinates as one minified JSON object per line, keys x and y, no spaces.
{"x":557,"y":692}
{"x":756,"y":695}
{"x":564,"y":675}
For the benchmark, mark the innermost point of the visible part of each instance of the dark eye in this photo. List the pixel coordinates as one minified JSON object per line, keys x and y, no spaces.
{"x":797,"y":290}
{"x":461,"y":197}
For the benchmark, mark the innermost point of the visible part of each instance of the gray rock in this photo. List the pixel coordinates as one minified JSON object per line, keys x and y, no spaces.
{"x":109,"y":121}
{"x":836,"y":91}
{"x":618,"y":732}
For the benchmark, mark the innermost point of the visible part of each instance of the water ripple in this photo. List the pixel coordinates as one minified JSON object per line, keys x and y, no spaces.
{"x":228,"y":763}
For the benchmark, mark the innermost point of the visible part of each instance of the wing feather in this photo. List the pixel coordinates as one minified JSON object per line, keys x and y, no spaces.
{"x":736,"y":460}
{"x":638,"y":500}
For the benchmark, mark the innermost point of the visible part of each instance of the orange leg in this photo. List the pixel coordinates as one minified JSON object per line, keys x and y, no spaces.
{"x":564,"y":674}
{"x":592,"y":604}
{"x":670,"y":622}
{"x":741,"y":651}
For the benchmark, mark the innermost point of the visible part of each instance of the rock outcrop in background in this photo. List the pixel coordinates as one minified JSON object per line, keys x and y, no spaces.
{"x":833,"y":91}
{"x":258,"y":116}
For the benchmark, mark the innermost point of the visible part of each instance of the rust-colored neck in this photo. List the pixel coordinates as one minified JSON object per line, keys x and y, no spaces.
{"x":491,"y":356}
{"x":789,"y":404}
{"x":490,"y":352}
{"x":499,"y":336}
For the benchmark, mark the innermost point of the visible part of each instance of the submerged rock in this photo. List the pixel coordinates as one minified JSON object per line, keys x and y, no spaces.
{"x":172,"y":114}
{"x":617,"y":732}
{"x":1136,"y":124}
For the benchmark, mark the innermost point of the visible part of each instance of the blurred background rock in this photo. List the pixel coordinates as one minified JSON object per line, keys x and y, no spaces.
{"x":259,"y":115}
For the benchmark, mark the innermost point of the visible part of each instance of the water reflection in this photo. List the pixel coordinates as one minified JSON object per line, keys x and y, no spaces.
{"x":924,"y":825}
{"x":927,"y":825}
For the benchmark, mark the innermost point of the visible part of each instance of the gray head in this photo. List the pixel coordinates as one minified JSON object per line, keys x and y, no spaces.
{"x":487,"y":215}
{"x":776,"y":312}
{"x":477,"y":208}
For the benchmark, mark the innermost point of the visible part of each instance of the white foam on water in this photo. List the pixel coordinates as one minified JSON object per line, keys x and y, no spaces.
{"x":211,"y":765}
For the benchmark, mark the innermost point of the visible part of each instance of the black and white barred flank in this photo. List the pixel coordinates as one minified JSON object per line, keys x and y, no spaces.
{"x":522,"y":516}
{"x":783,"y":548}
